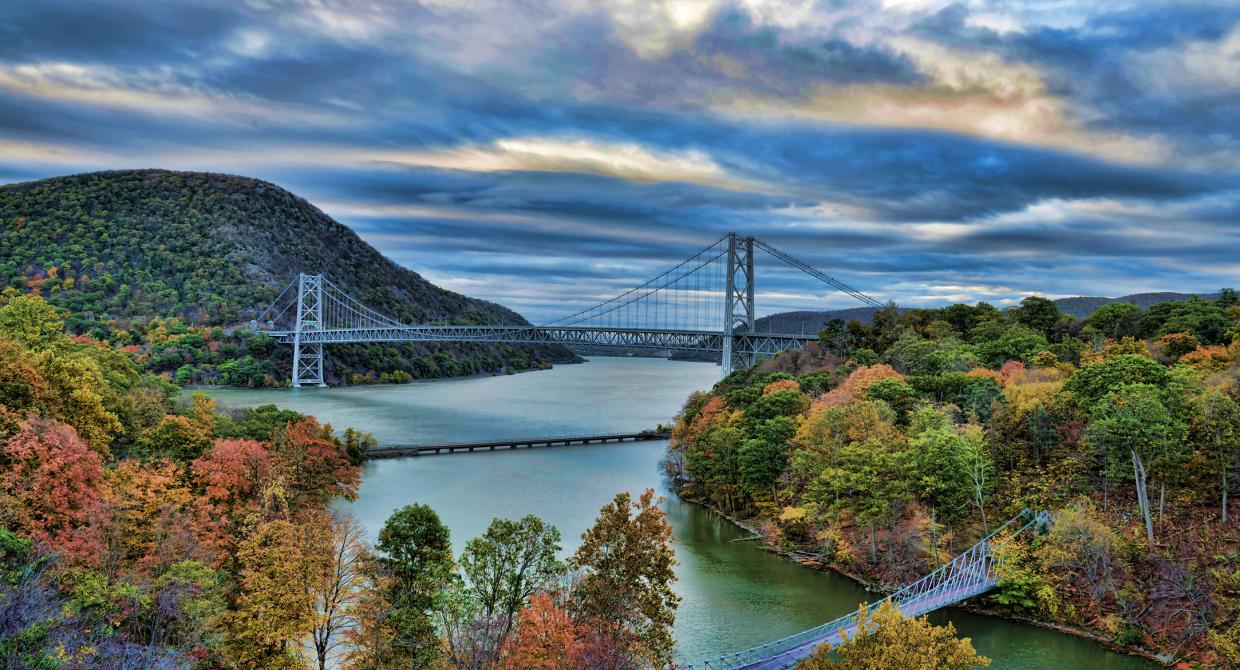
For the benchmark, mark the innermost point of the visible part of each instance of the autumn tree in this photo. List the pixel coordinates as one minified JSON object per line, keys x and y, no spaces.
{"x":52,"y":489}
{"x":887,"y":640}
{"x":626,"y":563}
{"x":334,"y":580}
{"x":314,"y":468}
{"x":416,"y":553}
{"x":548,"y":638}
{"x":273,"y":609}
{"x":502,"y":568}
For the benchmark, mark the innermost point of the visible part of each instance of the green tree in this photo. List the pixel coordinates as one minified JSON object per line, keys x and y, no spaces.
{"x":869,"y":478}
{"x":898,"y":395}
{"x":1115,"y":320}
{"x":627,"y":562}
{"x":30,"y":320}
{"x":944,"y":472}
{"x":1038,"y":313}
{"x":1089,"y":384}
{"x":761,"y":463}
{"x":502,"y":569}
{"x":416,"y":552}
{"x":1216,"y":427}
{"x":1135,"y":432}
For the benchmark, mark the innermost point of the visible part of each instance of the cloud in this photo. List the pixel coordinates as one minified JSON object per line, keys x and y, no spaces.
{"x":923,"y":150}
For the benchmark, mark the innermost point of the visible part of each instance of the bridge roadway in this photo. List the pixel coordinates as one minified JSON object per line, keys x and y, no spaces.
{"x":398,"y":451}
{"x":760,"y":344}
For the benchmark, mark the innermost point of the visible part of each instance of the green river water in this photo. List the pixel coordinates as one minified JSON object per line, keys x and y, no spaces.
{"x":735,"y":595}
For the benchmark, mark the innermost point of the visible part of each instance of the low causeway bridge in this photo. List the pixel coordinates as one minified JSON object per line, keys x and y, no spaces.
{"x":970,"y":574}
{"x":706,"y":303}
{"x":398,"y":451}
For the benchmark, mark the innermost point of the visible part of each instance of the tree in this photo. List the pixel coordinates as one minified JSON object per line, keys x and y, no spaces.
{"x":1037,"y":313}
{"x":761,"y":463}
{"x":887,"y":640}
{"x":314,"y":467}
{"x":52,"y":489}
{"x":334,"y":581}
{"x":897,"y":394}
{"x":945,"y":472}
{"x":626,"y":560}
{"x":869,"y":478}
{"x":1089,"y":384}
{"x":273,"y":608}
{"x":1132,"y":427}
{"x":834,"y":337}
{"x":30,"y":320}
{"x":1115,"y":320}
{"x":502,"y":569}
{"x":1079,"y":552}
{"x":547,"y":639}
{"x":1216,"y":425}
{"x":416,"y":552}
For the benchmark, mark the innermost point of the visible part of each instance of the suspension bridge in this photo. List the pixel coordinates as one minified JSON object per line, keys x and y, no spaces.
{"x":970,"y":574}
{"x":704,"y":304}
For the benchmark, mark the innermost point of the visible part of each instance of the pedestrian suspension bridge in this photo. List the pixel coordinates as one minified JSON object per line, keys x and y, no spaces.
{"x":705,"y":304}
{"x":969,"y":574}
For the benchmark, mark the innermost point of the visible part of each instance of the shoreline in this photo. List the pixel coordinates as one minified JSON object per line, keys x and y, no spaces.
{"x":804,"y":560}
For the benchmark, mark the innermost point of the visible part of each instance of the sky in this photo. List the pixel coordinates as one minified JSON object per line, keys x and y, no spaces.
{"x":545,"y":154}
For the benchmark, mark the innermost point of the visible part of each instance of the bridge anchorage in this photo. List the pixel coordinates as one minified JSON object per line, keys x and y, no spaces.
{"x":969,"y":574}
{"x":705,"y":303}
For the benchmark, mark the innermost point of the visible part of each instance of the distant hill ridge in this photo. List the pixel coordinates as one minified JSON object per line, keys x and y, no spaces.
{"x":1080,"y":307}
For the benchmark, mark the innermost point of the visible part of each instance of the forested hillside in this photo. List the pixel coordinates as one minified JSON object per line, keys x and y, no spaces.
{"x":889,"y":447}
{"x":167,"y":261}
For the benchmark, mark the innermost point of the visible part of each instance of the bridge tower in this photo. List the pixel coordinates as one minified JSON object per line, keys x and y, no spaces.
{"x":308,"y":357}
{"x":738,"y":305}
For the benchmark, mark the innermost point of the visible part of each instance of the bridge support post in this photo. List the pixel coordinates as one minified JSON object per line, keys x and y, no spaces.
{"x":738,"y":305}
{"x":308,"y":355}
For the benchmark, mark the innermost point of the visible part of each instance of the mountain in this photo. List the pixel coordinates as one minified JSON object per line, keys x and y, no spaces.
{"x":127,"y":247}
{"x":1081,"y":307}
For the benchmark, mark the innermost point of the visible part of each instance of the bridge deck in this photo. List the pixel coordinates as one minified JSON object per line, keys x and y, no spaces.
{"x":397,"y":451}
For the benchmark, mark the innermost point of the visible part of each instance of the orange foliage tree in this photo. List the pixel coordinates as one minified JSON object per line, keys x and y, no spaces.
{"x":547,"y":638}
{"x":855,"y":386}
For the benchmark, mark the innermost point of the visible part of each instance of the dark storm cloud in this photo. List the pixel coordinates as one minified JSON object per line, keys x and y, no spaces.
{"x":116,"y":32}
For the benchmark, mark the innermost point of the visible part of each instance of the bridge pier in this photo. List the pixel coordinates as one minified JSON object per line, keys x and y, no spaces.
{"x":308,"y":356}
{"x":738,"y":311}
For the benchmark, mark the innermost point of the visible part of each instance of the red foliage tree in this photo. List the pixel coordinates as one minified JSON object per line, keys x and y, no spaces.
{"x":315,"y":469}
{"x":233,"y":472}
{"x":52,"y":490}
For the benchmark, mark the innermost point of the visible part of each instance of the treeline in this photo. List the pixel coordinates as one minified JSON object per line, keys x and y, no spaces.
{"x":136,"y":256}
{"x":890,"y":446}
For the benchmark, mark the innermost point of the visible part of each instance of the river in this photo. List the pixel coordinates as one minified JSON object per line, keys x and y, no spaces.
{"x":734,"y":594}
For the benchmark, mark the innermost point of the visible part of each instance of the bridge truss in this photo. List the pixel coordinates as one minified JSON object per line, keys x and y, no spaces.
{"x":705,"y":303}
{"x":970,"y":574}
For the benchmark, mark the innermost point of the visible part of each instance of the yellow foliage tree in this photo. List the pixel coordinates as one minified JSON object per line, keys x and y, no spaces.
{"x":273,"y":608}
{"x":887,"y":640}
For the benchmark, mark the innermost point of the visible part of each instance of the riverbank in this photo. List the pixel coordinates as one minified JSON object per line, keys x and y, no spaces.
{"x":818,"y":562}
